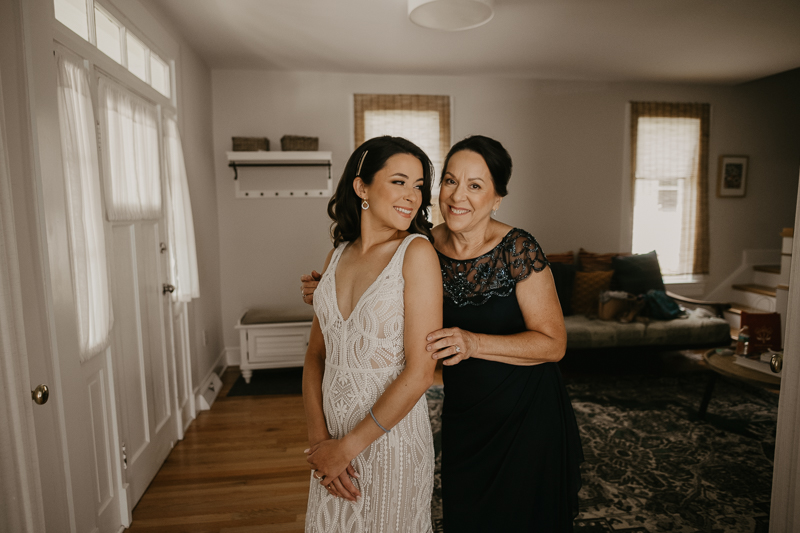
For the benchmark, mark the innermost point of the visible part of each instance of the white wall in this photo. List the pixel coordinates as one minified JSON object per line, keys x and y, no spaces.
{"x":582,"y":170}
{"x":265,"y":244}
{"x":568,"y":140}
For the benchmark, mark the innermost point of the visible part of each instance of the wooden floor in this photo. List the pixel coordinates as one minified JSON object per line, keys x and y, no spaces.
{"x":240,"y":468}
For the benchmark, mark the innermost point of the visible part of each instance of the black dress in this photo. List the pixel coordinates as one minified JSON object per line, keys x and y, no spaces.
{"x":510,"y":445}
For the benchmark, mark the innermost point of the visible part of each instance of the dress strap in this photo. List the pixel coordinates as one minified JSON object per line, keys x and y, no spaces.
{"x":337,"y":254}
{"x":400,"y":253}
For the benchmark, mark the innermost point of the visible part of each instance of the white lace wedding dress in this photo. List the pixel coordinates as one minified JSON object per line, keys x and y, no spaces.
{"x":364,"y":354}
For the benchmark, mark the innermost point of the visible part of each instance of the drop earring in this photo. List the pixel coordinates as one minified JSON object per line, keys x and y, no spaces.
{"x":365,"y":204}
{"x":494,"y":212}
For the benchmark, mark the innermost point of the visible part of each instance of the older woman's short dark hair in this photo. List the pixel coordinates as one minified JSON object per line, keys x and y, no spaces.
{"x":493,"y":153}
{"x":345,"y":205}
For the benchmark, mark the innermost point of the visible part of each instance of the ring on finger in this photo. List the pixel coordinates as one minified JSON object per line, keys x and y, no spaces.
{"x":458,"y":348}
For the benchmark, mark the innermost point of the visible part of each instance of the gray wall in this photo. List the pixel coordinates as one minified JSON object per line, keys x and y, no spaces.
{"x":569,"y":142}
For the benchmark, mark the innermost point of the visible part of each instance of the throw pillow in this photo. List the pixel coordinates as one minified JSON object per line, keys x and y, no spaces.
{"x":637,"y":274}
{"x":586,"y":291}
{"x":564,"y":278}
{"x":592,"y":262}
{"x":566,"y":258}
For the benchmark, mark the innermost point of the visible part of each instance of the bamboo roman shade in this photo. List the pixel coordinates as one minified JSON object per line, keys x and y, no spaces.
{"x":422,"y":119}
{"x":669,"y":167}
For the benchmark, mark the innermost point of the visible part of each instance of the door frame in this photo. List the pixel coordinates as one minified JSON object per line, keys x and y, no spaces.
{"x":21,"y":490}
{"x":785,"y":506}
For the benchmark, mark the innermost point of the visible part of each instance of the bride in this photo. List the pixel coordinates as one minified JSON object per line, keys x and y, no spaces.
{"x":366,"y":367}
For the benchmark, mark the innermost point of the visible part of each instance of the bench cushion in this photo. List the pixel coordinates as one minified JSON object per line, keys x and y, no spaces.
{"x":584,"y":332}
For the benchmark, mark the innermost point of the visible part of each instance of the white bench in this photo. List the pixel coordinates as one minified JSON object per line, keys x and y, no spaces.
{"x":268,"y":339}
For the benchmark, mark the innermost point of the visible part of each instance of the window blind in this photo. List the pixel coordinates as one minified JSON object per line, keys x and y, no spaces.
{"x":669,"y":167}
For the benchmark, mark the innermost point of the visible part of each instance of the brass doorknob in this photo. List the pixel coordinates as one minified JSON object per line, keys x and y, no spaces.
{"x":776,"y":362}
{"x":40,"y":394}
{"x":168,"y":288}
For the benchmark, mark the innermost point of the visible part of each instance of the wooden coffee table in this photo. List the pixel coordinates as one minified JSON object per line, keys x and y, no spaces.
{"x":724,"y":365}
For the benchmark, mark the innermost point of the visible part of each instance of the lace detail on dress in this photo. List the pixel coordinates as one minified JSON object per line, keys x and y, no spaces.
{"x":474,"y":281}
{"x":364,"y":354}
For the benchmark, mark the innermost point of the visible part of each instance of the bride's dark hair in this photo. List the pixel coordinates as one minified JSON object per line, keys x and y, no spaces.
{"x":345,"y":205}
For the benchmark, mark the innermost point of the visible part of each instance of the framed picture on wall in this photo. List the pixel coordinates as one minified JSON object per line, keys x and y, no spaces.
{"x":732,"y":176}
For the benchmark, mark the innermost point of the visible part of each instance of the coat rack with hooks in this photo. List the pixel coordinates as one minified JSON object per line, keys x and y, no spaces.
{"x":237,"y":160}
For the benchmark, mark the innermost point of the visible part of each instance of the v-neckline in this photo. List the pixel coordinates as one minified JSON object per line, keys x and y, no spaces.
{"x":360,"y":298}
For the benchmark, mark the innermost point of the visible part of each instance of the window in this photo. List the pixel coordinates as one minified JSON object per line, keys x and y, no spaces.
{"x":108,"y":33}
{"x":422,"y":119}
{"x":72,"y":14}
{"x":132,"y":168}
{"x":137,"y":57}
{"x":84,"y":208}
{"x":669,"y":152}
{"x":159,"y":74}
{"x":116,"y":41}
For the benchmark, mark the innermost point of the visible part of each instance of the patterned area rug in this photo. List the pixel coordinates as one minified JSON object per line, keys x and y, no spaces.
{"x":652,"y":465}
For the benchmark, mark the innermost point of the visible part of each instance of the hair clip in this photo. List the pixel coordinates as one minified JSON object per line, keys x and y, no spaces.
{"x":363,"y":156}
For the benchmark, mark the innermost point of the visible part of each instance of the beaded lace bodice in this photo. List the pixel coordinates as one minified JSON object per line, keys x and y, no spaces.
{"x":495,"y":273}
{"x":364,"y":355}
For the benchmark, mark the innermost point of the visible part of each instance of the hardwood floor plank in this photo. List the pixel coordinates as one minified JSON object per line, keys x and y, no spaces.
{"x":239,"y":469}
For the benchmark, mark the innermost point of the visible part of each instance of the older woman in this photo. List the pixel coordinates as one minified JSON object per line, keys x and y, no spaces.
{"x":510,"y":445}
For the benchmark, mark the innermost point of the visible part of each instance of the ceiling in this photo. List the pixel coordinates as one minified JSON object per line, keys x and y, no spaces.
{"x":697,"y":41}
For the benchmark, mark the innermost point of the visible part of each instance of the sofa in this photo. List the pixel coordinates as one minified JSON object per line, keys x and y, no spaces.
{"x":581,"y":278}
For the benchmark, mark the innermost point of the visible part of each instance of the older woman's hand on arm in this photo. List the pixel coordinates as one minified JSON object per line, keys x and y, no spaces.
{"x":544,"y":341}
{"x":423,"y":307}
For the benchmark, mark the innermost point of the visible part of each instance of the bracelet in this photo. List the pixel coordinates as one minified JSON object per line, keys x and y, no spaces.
{"x":376,"y":421}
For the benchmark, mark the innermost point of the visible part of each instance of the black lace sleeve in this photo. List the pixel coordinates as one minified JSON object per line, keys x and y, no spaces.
{"x":495,"y":273}
{"x":523,"y":255}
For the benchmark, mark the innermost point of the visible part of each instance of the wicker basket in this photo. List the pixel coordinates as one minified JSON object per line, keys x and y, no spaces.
{"x":296,"y":143}
{"x":250,"y":144}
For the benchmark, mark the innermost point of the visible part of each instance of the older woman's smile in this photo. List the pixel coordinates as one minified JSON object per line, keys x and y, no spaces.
{"x":458,"y":211}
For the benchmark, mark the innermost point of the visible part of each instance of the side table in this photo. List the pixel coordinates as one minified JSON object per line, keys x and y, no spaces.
{"x":724,"y":365}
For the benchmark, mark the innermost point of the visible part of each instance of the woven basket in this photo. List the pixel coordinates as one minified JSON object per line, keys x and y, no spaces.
{"x":250,"y":144}
{"x":297,"y":143}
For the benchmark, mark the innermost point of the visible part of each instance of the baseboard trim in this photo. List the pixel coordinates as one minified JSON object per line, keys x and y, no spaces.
{"x":221,"y":360}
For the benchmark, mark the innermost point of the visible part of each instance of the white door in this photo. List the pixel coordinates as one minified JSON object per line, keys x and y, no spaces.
{"x":75,"y":431}
{"x":142,"y":348}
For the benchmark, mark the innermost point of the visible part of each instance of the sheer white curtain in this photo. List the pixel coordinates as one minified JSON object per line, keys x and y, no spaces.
{"x":132,"y":176}
{"x":183,"y":256}
{"x":84,"y":209}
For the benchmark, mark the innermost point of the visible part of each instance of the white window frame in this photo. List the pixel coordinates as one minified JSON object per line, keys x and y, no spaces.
{"x":76,"y":43}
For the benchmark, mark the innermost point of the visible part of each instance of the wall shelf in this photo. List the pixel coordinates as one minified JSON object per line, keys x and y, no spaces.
{"x":237,"y":160}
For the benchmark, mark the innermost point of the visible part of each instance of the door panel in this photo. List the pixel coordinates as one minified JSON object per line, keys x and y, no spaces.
{"x":155,"y":340}
{"x":104,"y":486}
{"x":142,"y":353}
